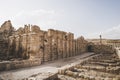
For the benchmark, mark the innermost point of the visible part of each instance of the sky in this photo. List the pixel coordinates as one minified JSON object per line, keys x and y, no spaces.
{"x":88,"y":18}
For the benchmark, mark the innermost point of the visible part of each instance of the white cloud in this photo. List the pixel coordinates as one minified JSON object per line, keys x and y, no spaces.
{"x":48,"y":19}
{"x":36,"y":12}
{"x":44,"y":18}
{"x":92,"y":35}
{"x":112,"y":33}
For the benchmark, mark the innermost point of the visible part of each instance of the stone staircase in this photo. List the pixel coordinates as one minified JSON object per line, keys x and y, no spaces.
{"x":101,"y":67}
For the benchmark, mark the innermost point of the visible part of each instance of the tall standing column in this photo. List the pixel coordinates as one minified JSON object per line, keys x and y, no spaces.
{"x":46,"y":47}
{"x":60,"y":42}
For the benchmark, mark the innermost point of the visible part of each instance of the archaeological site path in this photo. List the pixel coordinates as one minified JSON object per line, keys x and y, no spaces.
{"x":52,"y":66}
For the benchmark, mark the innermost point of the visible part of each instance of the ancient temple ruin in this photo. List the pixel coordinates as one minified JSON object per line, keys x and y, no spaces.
{"x":31,"y":46}
{"x":31,"y":42}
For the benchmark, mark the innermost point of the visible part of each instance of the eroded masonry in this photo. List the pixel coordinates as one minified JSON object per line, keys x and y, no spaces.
{"x":30,"y":42}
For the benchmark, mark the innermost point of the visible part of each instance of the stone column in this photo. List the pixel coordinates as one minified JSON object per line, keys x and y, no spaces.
{"x":60,"y":45}
{"x":17,"y":45}
{"x":46,"y":47}
{"x":67,"y":42}
{"x":71,"y":35}
{"x":54,"y":45}
{"x":41,"y":47}
{"x":75,"y":48}
{"x":50,"y":47}
{"x":64,"y":45}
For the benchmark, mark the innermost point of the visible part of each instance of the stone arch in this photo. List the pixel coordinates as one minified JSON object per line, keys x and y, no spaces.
{"x":90,"y":48}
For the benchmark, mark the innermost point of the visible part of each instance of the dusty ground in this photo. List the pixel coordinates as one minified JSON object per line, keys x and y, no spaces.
{"x":52,"y":67}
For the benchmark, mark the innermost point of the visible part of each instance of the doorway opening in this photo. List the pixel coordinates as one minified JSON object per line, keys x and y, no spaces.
{"x":90,"y":48}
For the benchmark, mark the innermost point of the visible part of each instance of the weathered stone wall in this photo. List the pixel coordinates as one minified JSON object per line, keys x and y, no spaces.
{"x":103,"y":48}
{"x":33,"y":43}
{"x":6,"y":30}
{"x":30,"y":42}
{"x":81,"y":45}
{"x":9,"y":65}
{"x":6,"y":26}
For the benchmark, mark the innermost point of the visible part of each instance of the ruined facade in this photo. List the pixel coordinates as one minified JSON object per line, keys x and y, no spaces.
{"x":31,"y":42}
{"x":6,"y":30}
{"x":46,"y":45}
{"x":31,"y":46}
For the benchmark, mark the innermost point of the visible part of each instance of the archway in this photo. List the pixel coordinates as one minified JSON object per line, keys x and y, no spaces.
{"x":90,"y":48}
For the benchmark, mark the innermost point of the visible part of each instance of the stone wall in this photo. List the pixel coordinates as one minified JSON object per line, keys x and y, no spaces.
{"x":33,"y":43}
{"x":6,"y":30}
{"x":103,"y":48}
{"x":30,"y":42}
{"x":9,"y":65}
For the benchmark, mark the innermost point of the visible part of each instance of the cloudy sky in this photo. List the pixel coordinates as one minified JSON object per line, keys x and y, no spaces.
{"x":89,"y":18}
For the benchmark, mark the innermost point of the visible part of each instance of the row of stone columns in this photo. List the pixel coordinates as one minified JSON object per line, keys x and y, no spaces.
{"x":59,"y":44}
{"x":48,"y":45}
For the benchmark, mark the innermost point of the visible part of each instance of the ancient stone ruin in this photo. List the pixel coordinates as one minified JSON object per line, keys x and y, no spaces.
{"x":30,"y":46}
{"x":6,"y":30}
{"x":31,"y":43}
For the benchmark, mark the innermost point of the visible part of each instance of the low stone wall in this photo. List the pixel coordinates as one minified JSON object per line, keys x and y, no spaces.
{"x":103,"y":49}
{"x":43,"y":76}
{"x":10,"y":65}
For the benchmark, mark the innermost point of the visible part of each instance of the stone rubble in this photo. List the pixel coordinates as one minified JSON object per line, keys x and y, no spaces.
{"x":94,"y":69}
